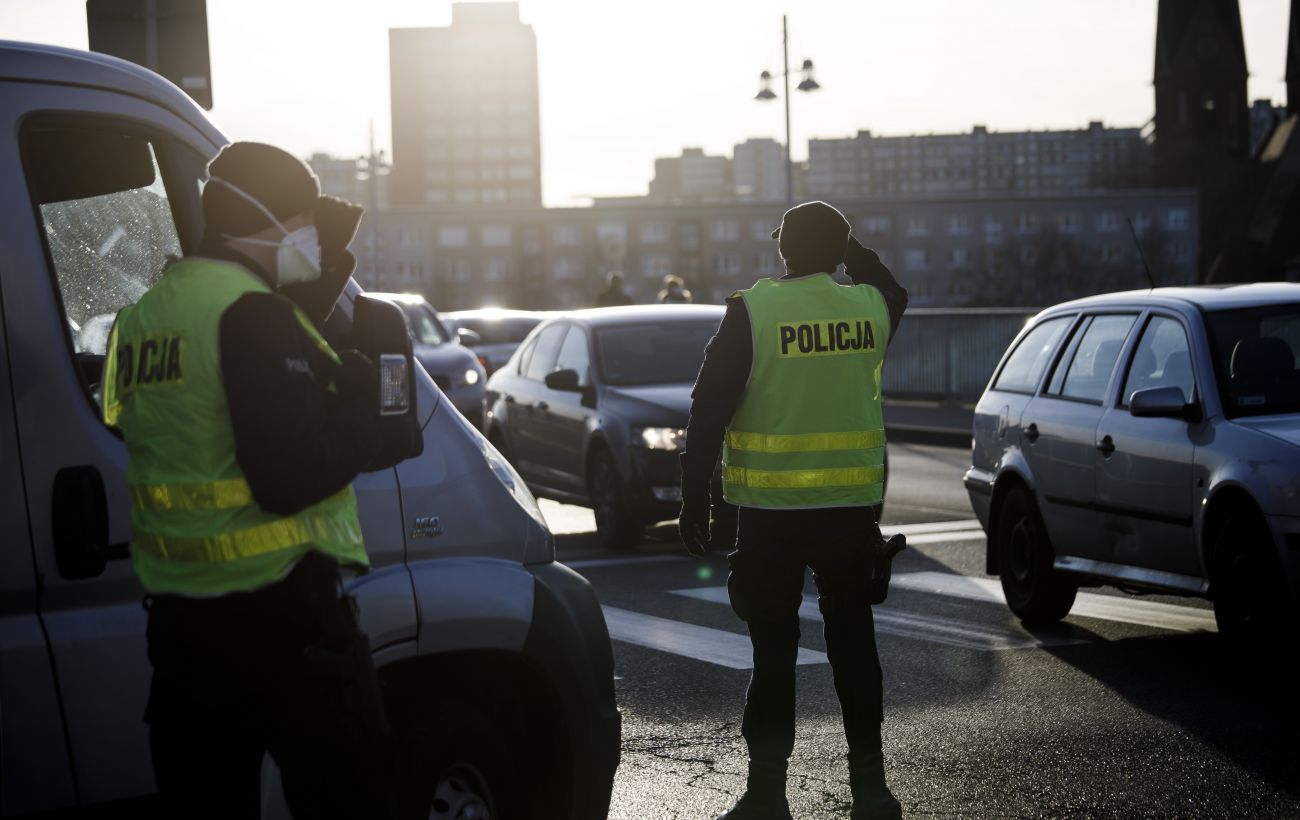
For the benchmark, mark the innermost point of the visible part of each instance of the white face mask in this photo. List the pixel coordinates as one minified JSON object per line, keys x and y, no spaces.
{"x":297,"y":256}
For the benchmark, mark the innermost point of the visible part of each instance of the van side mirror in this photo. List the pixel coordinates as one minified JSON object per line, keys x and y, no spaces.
{"x":565,"y":380}
{"x":468,"y":338}
{"x":379,"y":331}
{"x":1163,"y":402}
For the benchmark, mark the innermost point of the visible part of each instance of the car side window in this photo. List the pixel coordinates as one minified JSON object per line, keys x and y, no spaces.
{"x":1163,"y":359}
{"x":525,"y":353}
{"x":545,"y":350}
{"x":1025,"y":366}
{"x":107,"y":222}
{"x":1094,"y":359}
{"x":574,"y":355}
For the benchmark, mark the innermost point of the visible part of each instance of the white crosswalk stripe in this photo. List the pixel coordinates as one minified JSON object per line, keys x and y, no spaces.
{"x":701,"y":643}
{"x":890,"y":621}
{"x":1087,"y":604}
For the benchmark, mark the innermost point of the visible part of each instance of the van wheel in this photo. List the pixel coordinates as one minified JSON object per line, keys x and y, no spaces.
{"x":453,"y":764}
{"x":1035,"y":591}
{"x":1246,"y":580}
{"x":615,"y":526}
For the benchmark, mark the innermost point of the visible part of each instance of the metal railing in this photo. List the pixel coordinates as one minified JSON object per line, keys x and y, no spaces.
{"x":948,"y":355}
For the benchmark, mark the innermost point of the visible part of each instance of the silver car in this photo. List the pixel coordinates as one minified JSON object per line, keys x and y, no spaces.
{"x":1149,"y":440}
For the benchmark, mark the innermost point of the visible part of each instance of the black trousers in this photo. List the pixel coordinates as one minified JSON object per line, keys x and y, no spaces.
{"x":285,"y":670}
{"x":766,"y":586}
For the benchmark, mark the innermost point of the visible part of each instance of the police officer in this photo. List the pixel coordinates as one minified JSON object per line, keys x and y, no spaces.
{"x":790,"y":393}
{"x":244,"y":430}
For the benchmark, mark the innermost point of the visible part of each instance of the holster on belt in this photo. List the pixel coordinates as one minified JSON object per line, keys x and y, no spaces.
{"x":884,"y":551}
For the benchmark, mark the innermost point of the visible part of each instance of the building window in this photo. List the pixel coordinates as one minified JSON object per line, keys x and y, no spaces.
{"x":495,"y":236}
{"x":566,"y":234}
{"x":916,"y":259}
{"x":566,"y":267}
{"x":724,"y":230}
{"x":611,"y":231}
{"x":767,"y":264}
{"x":761,"y":229}
{"x":958,"y":225}
{"x":877,"y":226}
{"x":521,"y":172}
{"x":918,"y":226}
{"x":495,"y":195}
{"x":1179,"y":251}
{"x":727,"y":263}
{"x":1069,"y":222}
{"x":496,"y":269}
{"x":1109,"y":221}
{"x":1141,"y":222}
{"x":958,"y":258}
{"x":992,"y":229}
{"x":688,"y":234}
{"x":1112,"y":253}
{"x":656,"y":265}
{"x":653,"y":233}
{"x":1027,"y":223}
{"x":1179,"y":219}
{"x":453,"y":237}
{"x":532,"y":240}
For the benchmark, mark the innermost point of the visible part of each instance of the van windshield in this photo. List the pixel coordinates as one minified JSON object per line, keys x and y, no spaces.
{"x":1255,"y":359}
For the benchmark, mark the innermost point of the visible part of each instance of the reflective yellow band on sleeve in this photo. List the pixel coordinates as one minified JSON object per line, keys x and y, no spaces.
{"x":804,"y":479}
{"x":278,"y":535}
{"x":805,"y":442}
{"x":204,"y":495}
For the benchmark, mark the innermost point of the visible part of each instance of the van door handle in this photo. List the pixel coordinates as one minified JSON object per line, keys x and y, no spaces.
{"x":1106,"y":445}
{"x":1031,"y":433}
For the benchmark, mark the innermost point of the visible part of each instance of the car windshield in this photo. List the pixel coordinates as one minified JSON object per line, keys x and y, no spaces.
{"x":425,"y":327}
{"x":662,"y":353}
{"x":1255,"y":359}
{"x":500,"y":331}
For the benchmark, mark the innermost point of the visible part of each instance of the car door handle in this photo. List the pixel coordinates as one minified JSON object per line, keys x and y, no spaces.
{"x":541,"y":405}
{"x":1106,"y":445}
{"x":1031,"y":433}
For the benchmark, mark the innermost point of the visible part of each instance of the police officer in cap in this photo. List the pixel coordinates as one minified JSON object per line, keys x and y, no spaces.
{"x":244,"y":430}
{"x":790,"y":394}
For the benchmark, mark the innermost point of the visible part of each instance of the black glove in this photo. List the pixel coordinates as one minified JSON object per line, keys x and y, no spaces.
{"x":693,"y":521}
{"x":337,"y":221}
{"x":354,"y":408}
{"x":862,"y":264}
{"x":883,"y":553}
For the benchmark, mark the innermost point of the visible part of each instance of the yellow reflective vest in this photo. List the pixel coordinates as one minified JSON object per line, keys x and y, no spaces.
{"x":197,"y":530}
{"x":808,"y":431}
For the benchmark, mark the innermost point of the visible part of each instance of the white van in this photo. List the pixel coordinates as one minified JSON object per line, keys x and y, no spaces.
{"x":495,"y":659}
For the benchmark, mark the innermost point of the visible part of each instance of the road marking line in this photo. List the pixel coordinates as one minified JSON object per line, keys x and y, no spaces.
{"x":935,"y":629}
{"x":1086,"y":605}
{"x":614,"y":562}
{"x":944,"y":537}
{"x":700,"y":643}
{"x":932,"y":527}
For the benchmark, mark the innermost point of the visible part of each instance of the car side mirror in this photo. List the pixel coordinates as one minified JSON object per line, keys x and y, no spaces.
{"x":565,"y":380}
{"x":1163,"y":402}
{"x":379,"y":331}
{"x":468,"y":338}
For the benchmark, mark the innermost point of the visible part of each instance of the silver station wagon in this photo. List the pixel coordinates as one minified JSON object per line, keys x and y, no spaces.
{"x":1149,"y":440}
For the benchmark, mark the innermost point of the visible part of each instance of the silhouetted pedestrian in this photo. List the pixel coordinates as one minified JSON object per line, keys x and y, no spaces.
{"x":614,"y":293}
{"x":675,"y":292}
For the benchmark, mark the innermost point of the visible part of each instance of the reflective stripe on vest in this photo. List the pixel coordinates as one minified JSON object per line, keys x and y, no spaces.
{"x":808,"y":431}
{"x":203,"y":495}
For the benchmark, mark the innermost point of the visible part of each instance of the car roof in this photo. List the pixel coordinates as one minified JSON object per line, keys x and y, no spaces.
{"x":399,"y":298}
{"x":39,"y":63}
{"x":639,"y":314}
{"x":1205,"y":297}
{"x":490,"y":314}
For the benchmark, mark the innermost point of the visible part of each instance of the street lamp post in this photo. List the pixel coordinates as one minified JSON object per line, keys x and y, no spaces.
{"x":765,"y":92}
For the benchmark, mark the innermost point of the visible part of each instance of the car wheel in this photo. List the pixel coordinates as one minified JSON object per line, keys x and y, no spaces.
{"x":453,"y":764}
{"x":615,"y":526}
{"x":1251,"y":604}
{"x":1035,"y":591}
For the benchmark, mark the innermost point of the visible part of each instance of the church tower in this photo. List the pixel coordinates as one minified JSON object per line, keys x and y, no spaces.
{"x":1201,"y":122}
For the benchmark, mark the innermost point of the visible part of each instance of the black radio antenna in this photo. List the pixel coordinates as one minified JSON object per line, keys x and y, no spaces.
{"x":1141,"y":254}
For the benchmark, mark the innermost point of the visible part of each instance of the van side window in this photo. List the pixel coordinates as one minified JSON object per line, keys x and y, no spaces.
{"x":107,"y":222}
{"x":1025,"y":366}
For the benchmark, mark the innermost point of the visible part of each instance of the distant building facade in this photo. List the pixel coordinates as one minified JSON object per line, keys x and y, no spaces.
{"x":694,"y":175}
{"x":1264,"y":116}
{"x":758,"y":170}
{"x":466,"y":121}
{"x":351,"y":178}
{"x":980,"y":162}
{"x":1025,"y":249}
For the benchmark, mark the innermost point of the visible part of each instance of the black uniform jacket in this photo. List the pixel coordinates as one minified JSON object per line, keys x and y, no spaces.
{"x":728,"y":360}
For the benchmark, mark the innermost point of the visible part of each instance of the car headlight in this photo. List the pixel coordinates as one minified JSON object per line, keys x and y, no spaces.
{"x":660,"y":438}
{"x":467,"y":379}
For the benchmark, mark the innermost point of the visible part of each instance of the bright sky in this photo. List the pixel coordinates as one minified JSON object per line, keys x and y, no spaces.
{"x":625,"y":81}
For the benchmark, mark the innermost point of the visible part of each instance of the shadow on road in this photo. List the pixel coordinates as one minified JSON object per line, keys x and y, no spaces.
{"x":1194,"y":682}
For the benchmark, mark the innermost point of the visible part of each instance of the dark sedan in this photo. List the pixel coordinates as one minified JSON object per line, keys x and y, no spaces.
{"x":592,"y":410}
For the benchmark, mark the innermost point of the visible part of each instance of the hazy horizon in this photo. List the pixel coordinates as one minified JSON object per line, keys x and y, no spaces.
{"x":624,"y":82}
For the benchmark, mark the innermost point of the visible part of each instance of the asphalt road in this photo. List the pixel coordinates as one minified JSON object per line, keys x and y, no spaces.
{"x":1130,"y":709}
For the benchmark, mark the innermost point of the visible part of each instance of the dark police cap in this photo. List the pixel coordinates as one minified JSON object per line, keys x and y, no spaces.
{"x":813,"y":236}
{"x":284,"y":184}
